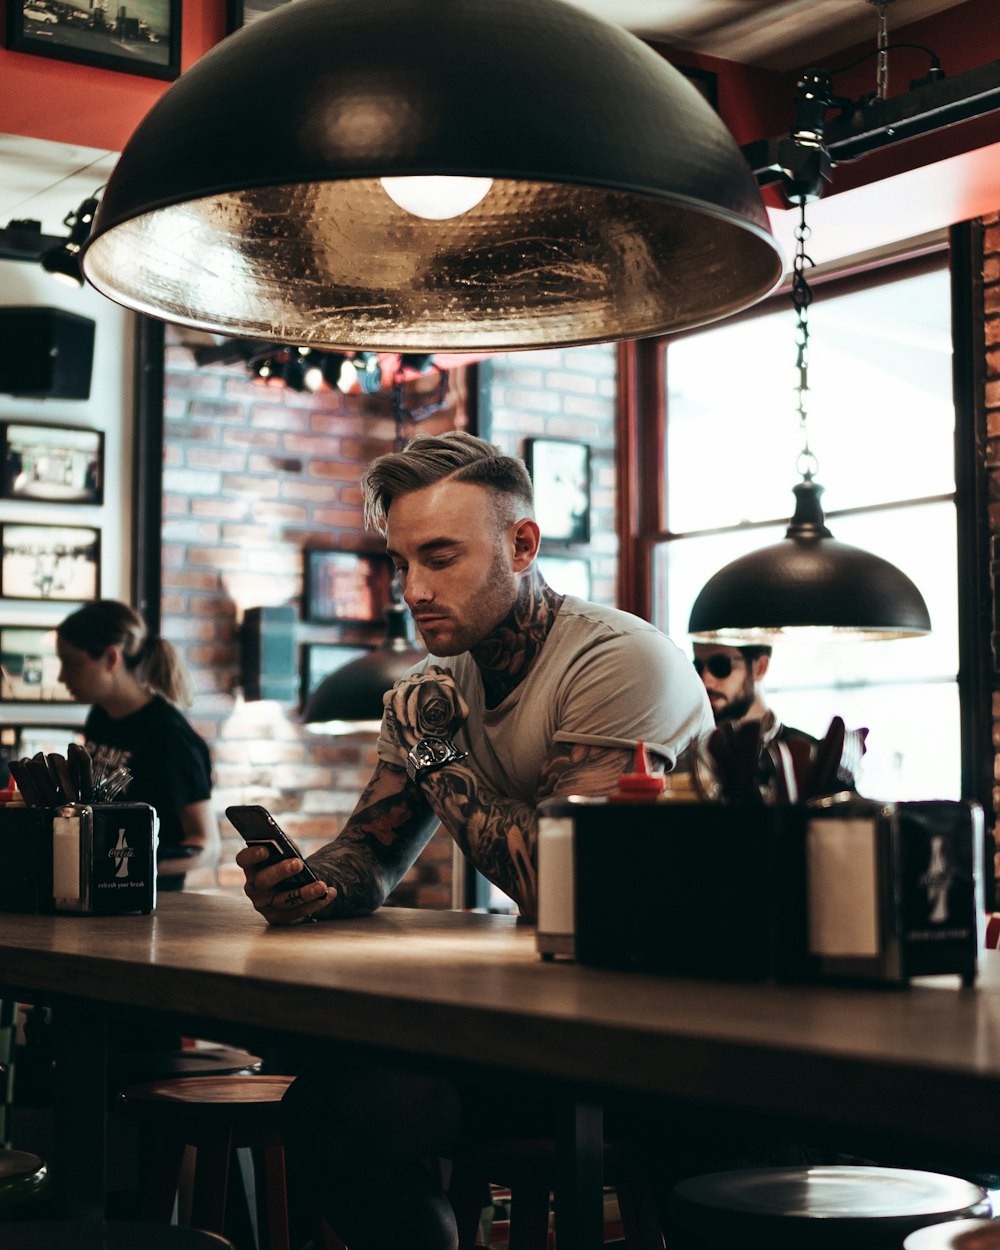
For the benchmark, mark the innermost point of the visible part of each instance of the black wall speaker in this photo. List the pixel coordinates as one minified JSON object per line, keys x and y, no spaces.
{"x":269,"y":661}
{"x":45,"y":353}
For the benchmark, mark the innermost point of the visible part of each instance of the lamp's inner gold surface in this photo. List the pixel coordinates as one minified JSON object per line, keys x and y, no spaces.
{"x":339,"y":264}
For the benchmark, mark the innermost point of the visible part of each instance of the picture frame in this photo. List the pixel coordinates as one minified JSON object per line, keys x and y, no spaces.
{"x":51,"y":463}
{"x":567,"y":575}
{"x":241,"y":13}
{"x":50,"y":562}
{"x":346,"y":587}
{"x":29,"y":666}
{"x":144,"y":38}
{"x":560,"y":472}
{"x":320,"y":659}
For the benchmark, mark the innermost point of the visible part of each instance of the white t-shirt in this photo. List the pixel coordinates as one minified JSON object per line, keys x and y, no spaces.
{"x":603,"y":678}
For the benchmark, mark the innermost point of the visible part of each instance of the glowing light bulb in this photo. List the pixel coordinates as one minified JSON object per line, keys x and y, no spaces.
{"x":436,"y":197}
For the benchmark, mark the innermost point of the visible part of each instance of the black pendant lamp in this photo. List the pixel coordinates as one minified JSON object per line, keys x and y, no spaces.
{"x":809,"y":580}
{"x":349,"y":700}
{"x":298,"y":184}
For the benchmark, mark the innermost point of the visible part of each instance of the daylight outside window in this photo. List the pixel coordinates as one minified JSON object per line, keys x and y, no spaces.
{"x":881,"y":423}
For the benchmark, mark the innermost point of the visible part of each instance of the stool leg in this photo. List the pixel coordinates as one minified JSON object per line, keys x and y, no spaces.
{"x":529,"y":1215}
{"x":160,"y":1159}
{"x":211,"y":1181}
{"x":274,"y":1224}
{"x":640,"y":1218}
{"x":465,"y":1193}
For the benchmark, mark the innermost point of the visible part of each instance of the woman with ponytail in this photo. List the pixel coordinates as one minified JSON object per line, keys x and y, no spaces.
{"x":135,"y":680}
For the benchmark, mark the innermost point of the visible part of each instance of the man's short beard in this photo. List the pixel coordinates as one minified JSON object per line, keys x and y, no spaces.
{"x":735,"y":709}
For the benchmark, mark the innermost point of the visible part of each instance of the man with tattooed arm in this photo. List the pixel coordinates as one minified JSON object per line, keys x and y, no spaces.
{"x":525,"y":694}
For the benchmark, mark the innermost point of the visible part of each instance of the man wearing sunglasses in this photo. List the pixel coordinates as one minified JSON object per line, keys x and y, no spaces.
{"x":731,"y":676}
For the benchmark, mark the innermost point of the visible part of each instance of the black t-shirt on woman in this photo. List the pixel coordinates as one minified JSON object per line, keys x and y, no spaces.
{"x":170,"y":764}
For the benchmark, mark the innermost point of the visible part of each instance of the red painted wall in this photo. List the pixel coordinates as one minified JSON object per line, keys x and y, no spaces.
{"x":45,"y":98}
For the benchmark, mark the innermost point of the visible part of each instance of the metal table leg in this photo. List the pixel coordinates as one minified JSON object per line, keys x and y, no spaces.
{"x":579,"y":1179}
{"x":78,"y":1173}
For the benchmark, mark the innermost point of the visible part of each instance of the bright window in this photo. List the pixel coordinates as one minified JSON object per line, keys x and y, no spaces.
{"x":881,"y":423}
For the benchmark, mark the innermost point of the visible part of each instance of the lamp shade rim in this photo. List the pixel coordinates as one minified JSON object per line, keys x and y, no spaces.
{"x":813,"y":582}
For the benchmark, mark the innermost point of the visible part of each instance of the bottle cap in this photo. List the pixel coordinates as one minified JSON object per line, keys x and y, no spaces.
{"x":640,"y":784}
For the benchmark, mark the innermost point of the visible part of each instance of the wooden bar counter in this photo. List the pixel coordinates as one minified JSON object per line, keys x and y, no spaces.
{"x":914,"y":1070}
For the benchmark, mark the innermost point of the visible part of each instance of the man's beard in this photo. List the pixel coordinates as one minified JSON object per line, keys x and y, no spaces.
{"x":735,"y":709}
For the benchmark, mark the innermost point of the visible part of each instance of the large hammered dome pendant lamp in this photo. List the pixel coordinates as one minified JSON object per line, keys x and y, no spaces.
{"x":432,"y":175}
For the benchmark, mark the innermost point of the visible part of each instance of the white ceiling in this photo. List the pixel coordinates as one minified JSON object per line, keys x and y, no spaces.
{"x":775,"y":34}
{"x":45,"y":181}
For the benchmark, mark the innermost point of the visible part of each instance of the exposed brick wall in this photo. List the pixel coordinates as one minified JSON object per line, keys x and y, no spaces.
{"x":568,"y":394}
{"x":255,"y":474}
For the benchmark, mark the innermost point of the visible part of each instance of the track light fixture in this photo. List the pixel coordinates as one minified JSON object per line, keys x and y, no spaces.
{"x":63,"y":262}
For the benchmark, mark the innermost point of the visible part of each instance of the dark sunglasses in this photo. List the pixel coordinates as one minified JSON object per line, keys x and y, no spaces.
{"x":718,"y":665}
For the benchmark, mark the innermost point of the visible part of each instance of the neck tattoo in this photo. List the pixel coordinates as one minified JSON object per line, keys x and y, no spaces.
{"x":506,"y":655}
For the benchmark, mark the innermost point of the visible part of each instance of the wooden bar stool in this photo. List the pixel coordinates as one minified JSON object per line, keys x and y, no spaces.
{"x":526,"y":1166}
{"x":23,"y":1178}
{"x":956,"y":1235}
{"x":215,"y":1115}
{"x":864,"y":1208}
{"x":106,"y":1235}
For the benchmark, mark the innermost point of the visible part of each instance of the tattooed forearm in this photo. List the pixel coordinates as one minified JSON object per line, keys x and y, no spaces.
{"x":497,"y":834}
{"x":388,"y":829}
{"x":500,"y":834}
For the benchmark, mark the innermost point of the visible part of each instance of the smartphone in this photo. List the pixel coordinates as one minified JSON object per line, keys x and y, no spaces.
{"x":257,"y":827}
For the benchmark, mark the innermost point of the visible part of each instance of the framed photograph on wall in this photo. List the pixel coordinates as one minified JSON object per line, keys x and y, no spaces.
{"x":55,"y":463}
{"x":61,"y":562}
{"x":567,"y":575}
{"x":320,"y":659}
{"x":142,"y":37}
{"x":560,"y":471}
{"x":29,"y":667}
{"x":346,"y":587}
{"x":244,"y":12}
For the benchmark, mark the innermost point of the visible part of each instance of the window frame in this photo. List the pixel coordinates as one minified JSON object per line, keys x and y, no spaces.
{"x":641,"y":485}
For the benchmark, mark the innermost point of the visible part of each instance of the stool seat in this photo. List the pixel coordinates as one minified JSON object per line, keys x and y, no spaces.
{"x":106,"y":1235}
{"x":23,"y":1176}
{"x":822,"y":1206}
{"x":956,"y":1235}
{"x":132,"y":1067}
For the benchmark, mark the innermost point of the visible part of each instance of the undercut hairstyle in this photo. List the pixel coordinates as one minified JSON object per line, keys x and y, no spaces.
{"x":754,"y":652}
{"x":156,"y":663}
{"x":457,"y":456}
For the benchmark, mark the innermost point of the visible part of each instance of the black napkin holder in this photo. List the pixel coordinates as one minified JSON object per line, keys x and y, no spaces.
{"x":94,"y":859}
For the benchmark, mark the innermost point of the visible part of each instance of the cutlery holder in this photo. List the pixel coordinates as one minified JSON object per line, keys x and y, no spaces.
{"x":95,"y":859}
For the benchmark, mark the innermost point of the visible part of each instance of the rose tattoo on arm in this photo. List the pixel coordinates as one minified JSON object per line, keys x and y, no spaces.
{"x":427,"y":704}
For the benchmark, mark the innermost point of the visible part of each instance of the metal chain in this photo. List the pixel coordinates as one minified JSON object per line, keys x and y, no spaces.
{"x":882,"y":73}
{"x":802,"y":296}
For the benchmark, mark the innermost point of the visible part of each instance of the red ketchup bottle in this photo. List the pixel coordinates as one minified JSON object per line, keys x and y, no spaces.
{"x":640,"y":785}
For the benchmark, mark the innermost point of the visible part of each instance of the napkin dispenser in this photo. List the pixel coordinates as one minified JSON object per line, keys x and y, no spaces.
{"x":96,"y":859}
{"x":693,"y":889}
{"x":843,"y":889}
{"x":895,"y":890}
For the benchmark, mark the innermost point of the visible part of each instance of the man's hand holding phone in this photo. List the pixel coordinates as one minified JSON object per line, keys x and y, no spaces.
{"x":278,"y":883}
